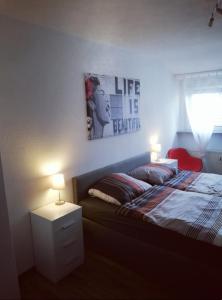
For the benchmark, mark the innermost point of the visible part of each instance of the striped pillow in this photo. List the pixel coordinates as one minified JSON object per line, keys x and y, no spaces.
{"x":118,"y":188}
{"x":152,"y":173}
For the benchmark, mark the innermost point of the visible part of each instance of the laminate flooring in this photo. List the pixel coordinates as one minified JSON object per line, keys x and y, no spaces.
{"x":102,"y":278}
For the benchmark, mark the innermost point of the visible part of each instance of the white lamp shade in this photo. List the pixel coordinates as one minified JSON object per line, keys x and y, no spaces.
{"x":155,"y":148}
{"x":58,"y":181}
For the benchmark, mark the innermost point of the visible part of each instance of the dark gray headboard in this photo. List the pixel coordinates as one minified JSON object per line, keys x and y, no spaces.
{"x":82,"y":183}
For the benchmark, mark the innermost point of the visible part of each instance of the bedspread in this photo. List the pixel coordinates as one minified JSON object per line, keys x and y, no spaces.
{"x":206,"y":183}
{"x":195,"y":215}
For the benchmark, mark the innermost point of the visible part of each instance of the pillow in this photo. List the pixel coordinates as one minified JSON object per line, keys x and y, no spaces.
{"x":118,"y":188}
{"x":153,"y":173}
{"x":103,"y":196}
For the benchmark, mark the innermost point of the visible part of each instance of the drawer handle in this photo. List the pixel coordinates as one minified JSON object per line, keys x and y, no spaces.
{"x":66,"y":226}
{"x":69,"y":243}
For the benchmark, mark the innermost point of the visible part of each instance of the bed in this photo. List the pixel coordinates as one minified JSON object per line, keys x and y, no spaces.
{"x":150,"y":249}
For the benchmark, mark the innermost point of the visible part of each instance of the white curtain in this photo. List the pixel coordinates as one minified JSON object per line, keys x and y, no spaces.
{"x":201,"y":94}
{"x":201,"y":111}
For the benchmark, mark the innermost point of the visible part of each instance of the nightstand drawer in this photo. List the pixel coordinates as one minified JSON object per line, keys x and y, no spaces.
{"x":69,"y":265}
{"x":66,"y":234}
{"x":67,"y":222}
{"x":65,"y":255}
{"x":74,"y":242}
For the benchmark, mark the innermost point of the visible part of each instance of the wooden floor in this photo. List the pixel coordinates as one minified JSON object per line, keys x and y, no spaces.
{"x":101,"y":278}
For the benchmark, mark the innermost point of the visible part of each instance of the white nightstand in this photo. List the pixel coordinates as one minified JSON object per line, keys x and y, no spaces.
{"x":57,"y":239}
{"x":173,"y":163}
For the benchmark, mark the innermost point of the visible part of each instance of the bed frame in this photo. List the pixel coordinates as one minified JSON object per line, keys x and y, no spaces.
{"x":147,"y":259}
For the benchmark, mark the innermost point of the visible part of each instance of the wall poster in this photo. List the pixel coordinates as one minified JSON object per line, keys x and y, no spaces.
{"x":113,"y":105}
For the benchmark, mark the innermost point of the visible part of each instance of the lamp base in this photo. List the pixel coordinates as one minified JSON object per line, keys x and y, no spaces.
{"x":154,"y":157}
{"x":60,"y":202}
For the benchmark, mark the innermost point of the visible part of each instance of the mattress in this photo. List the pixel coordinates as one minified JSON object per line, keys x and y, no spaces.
{"x":105,"y":214}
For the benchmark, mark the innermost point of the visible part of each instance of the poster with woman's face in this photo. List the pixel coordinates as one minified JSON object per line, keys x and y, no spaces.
{"x":112,"y":105}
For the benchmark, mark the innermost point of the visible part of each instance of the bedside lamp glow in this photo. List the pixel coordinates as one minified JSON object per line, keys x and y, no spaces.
{"x":155,"y":150}
{"x":58,"y":183}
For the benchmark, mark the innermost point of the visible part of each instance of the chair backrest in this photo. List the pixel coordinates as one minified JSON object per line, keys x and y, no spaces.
{"x":185,"y":160}
{"x":178,"y":153}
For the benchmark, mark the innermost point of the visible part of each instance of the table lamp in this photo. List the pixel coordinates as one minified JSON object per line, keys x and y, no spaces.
{"x":58,"y":183}
{"x":155,"y":150}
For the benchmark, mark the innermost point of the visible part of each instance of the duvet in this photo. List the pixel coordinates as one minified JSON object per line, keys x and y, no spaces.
{"x":206,"y":183}
{"x":198,"y":216}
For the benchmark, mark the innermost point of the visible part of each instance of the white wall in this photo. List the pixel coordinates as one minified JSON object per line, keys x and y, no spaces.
{"x":42,"y":115}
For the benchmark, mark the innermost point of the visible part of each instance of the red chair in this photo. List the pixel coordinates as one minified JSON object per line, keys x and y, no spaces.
{"x":185,"y":160}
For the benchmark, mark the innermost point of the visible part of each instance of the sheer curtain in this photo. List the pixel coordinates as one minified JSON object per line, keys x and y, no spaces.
{"x":201,"y":97}
{"x":201,"y":111}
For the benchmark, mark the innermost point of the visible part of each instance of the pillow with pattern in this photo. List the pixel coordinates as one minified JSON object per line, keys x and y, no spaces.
{"x":118,"y":188}
{"x":153,"y":173}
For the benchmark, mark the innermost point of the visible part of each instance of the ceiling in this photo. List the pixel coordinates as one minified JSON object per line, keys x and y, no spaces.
{"x":175,"y":31}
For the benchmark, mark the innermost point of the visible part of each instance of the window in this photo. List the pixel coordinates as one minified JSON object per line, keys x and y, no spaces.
{"x":201,"y":102}
{"x":209,"y":104}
